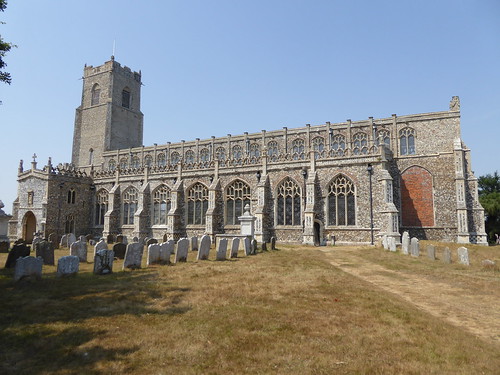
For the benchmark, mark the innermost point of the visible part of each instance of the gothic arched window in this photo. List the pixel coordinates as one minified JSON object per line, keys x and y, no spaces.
{"x":298,"y":149}
{"x":175,"y":158}
{"x":71,"y":196}
{"x":289,"y":203}
{"x":161,"y":205}
{"x":69,"y":225}
{"x":101,"y":206}
{"x":360,"y":144}
{"x":111,"y":165}
{"x":130,"y":199}
{"x":384,"y":136}
{"x":220,"y":154}
{"x":254,"y":150}
{"x":237,"y":197}
{"x":341,"y":202}
{"x":96,"y":93}
{"x":189,"y":158}
{"x":272,"y":151}
{"x":237,"y":155}
{"x":197,"y":204}
{"x":204,"y":156}
{"x":136,"y":163}
{"x":148,"y":161}
{"x":123,"y":163}
{"x":161,"y":160}
{"x":407,"y":141}
{"x":338,"y":145}
{"x":126,"y":98}
{"x":318,"y":147}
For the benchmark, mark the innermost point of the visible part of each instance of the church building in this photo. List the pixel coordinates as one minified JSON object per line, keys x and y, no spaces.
{"x":347,"y":183}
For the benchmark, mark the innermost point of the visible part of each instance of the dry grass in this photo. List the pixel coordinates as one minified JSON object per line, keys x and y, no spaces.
{"x":280,"y":312}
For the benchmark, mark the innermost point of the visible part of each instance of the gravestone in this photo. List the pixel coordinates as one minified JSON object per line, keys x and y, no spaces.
{"x":53,"y":238}
{"x":20,"y":250}
{"x":110,"y":239}
{"x":135,"y":239}
{"x":254,"y":247}
{"x":431,"y":252}
{"x":4,"y":247}
{"x":234,"y":247}
{"x":414,"y":247}
{"x":194,"y":243}
{"x":181,"y":252}
{"x":151,"y":241}
{"x":204,"y":249}
{"x":28,"y":267}
{"x":248,"y":245}
{"x":273,"y":243}
{"x":101,"y":245}
{"x":103,"y":262}
{"x":133,"y":255}
{"x":166,"y":250}
{"x":64,"y":240}
{"x":385,"y":245}
{"x":120,"y":248}
{"x":121,"y":239}
{"x":68,"y":265}
{"x":79,"y":249}
{"x":153,"y":254}
{"x":463,"y":256}
{"x":391,"y":241}
{"x":70,"y":239}
{"x":405,"y":243}
{"x":35,"y":241}
{"x":488,"y":264}
{"x":45,"y":250}
{"x":264,"y":246}
{"x":221,"y":249}
{"x":165,"y":237}
{"x":447,"y":255}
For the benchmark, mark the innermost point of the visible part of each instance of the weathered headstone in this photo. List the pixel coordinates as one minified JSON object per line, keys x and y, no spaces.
{"x":64,"y":240}
{"x":463,"y":256}
{"x":488,"y":264}
{"x":20,"y":250}
{"x":181,"y":252}
{"x":110,"y":239}
{"x":4,"y":246}
{"x":248,"y":245}
{"x":28,"y":267}
{"x":165,"y":237}
{"x":101,"y":245}
{"x":254,"y":247}
{"x":166,"y":250}
{"x":447,"y":255}
{"x":68,"y":265}
{"x":103,"y":262}
{"x":391,"y":242}
{"x":45,"y":250}
{"x":120,"y":248}
{"x":385,"y":245}
{"x":151,"y":241}
{"x":221,"y":249}
{"x":70,"y":239}
{"x":273,"y":243}
{"x":194,"y":243}
{"x":405,"y":243}
{"x":431,"y":252}
{"x":414,"y":247}
{"x":264,"y":246}
{"x":234,"y":247}
{"x":53,"y":238}
{"x":79,"y":249}
{"x":153,"y":254}
{"x":204,"y":248}
{"x":35,"y":241}
{"x":133,"y":255}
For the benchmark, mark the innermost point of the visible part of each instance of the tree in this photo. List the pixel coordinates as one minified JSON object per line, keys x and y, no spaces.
{"x":4,"y":48}
{"x":489,"y":196}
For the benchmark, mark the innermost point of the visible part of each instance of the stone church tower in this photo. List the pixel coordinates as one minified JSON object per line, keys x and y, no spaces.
{"x":109,"y":117}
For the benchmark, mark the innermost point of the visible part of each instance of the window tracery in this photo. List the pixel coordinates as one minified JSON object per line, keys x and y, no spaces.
{"x":318,"y":147}
{"x":197,"y":204}
{"x":338,"y":145}
{"x":407,"y":141}
{"x":288,"y":210}
{"x":161,"y":205}
{"x":341,"y":202}
{"x":237,"y":197}
{"x":101,"y":206}
{"x":272,"y":151}
{"x":130,"y":199}
{"x":298,"y":149}
{"x":360,"y":144}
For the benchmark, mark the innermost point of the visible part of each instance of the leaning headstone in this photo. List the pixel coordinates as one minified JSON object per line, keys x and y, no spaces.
{"x":264,"y":246}
{"x":103,"y":262}
{"x":181,"y":252}
{"x":79,"y":249}
{"x":414,"y":247}
{"x":68,"y":265}
{"x":64,"y":240}
{"x":431,"y":252}
{"x":254,"y":247}
{"x":248,"y":245}
{"x":234,"y":247}
{"x":204,"y":249}
{"x":153,"y":254}
{"x":110,"y":238}
{"x":20,"y":250}
{"x":166,"y":249}
{"x":405,"y":243}
{"x":70,"y":239}
{"x":194,"y":243}
{"x":120,"y":248}
{"x":385,"y":245}
{"x":151,"y":241}
{"x":45,"y":250}
{"x":463,"y":256}
{"x":447,"y":255}
{"x":101,"y":245}
{"x":28,"y":267}
{"x":221,"y":249}
{"x":133,"y":255}
{"x":273,"y":243}
{"x":391,"y":242}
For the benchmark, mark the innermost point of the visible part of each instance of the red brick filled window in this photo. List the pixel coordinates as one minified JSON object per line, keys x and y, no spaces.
{"x":417,"y":201}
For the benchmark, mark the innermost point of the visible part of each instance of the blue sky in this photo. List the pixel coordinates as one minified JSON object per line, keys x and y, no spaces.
{"x":218,"y":67}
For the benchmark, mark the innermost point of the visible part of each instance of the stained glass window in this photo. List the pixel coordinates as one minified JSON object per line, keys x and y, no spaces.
{"x":341,"y":202}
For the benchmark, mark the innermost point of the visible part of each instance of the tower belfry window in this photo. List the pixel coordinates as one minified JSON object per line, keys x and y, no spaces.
{"x":96,"y":93}
{"x":126,"y":98}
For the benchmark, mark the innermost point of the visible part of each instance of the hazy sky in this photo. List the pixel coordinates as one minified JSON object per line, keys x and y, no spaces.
{"x":218,"y":67}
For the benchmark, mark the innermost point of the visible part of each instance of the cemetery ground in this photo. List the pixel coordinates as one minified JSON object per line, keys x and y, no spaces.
{"x":296,"y":310}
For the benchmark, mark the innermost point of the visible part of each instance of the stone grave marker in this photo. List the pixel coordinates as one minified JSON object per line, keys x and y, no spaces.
{"x":103,"y":262}
{"x":385,"y":245}
{"x":165,"y":237}
{"x":264,"y":246}
{"x":488,"y":263}
{"x":273,"y":243}
{"x":119,"y":249}
{"x":68,"y":265}
{"x":79,"y":249}
{"x":254,"y":247}
{"x":53,"y":238}
{"x":110,"y":239}
{"x":28,"y":267}
{"x":391,"y":242}
{"x":4,"y":246}
{"x":221,"y":249}
{"x":71,"y":238}
{"x":194,"y":243}
{"x":414,"y":247}
{"x":447,"y":255}
{"x":405,"y":243}
{"x":166,"y":250}
{"x":181,"y":252}
{"x":431,"y":252}
{"x":101,"y":245}
{"x":121,"y":239}
{"x":463,"y":256}
{"x":45,"y":250}
{"x":234,"y":247}
{"x":133,"y":255}
{"x":248,"y":245}
{"x":151,"y":241}
{"x":20,"y":250}
{"x":153,"y":254}
{"x":35,"y":241}
{"x":204,"y":249}
{"x":64,"y":240}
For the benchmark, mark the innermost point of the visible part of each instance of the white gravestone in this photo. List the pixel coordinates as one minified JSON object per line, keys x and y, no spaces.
{"x":79,"y":249}
{"x":103,"y":262}
{"x":415,"y":247}
{"x":153,"y":254}
{"x":463,"y":256}
{"x":166,"y":250}
{"x":405,"y":243}
{"x":248,"y":246}
{"x":101,"y":245}
{"x":385,"y":245}
{"x":194,"y":243}
{"x":71,"y":238}
{"x":221,"y":249}
{"x":68,"y":265}
{"x":133,"y":255}
{"x":431,"y":252}
{"x":234,"y":247}
{"x":64,"y":240}
{"x":28,"y":267}
{"x":204,"y":249}
{"x":392,"y":243}
{"x":181,"y":252}
{"x":446,"y":255}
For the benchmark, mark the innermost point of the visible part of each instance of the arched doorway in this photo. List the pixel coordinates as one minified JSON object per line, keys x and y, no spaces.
{"x":29,"y":226}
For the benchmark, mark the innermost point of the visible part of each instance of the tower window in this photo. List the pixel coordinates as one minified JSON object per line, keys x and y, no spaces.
{"x":126,"y":98}
{"x":71,"y":196}
{"x":96,"y":93}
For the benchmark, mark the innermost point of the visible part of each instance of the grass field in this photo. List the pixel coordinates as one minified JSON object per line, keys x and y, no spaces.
{"x":280,"y":312}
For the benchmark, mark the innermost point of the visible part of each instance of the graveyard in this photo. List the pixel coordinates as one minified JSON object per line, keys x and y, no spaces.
{"x":294,"y":310}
